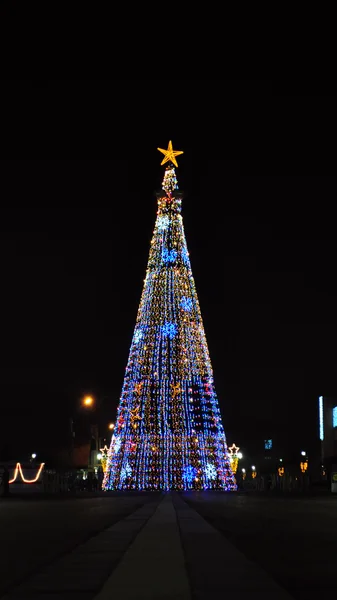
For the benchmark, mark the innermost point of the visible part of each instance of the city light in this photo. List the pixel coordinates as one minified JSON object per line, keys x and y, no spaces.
{"x":253,"y":467}
{"x":303,"y":453}
{"x":111,"y":426}
{"x":304,"y":466}
{"x":234,"y":456}
{"x":334,"y":416}
{"x":99,"y":456}
{"x":88,"y":401}
{"x":18,"y":471}
{"x":34,"y":455}
{"x":321,"y":418}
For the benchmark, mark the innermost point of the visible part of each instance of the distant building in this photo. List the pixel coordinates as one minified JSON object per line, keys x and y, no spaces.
{"x":327,"y":419}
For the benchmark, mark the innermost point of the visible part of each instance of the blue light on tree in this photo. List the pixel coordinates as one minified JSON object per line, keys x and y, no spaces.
{"x":138,"y":336}
{"x":163,"y":223}
{"x":185,"y":256}
{"x":169,"y":330}
{"x":186,"y":303}
{"x":126,"y":472}
{"x":189,"y":474}
{"x":169,"y":256}
{"x":117,"y":445}
{"x":210,"y":471}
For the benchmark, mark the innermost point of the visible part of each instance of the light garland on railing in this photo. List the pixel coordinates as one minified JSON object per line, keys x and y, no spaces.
{"x":18,"y":470}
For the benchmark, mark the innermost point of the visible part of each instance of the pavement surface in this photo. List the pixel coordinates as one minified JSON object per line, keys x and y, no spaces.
{"x":294,"y":539}
{"x":193,"y":546}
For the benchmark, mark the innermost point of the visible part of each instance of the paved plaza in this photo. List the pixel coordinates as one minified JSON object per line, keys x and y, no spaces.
{"x":195,"y":545}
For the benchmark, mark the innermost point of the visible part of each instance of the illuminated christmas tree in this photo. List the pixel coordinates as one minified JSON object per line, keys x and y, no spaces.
{"x":168,"y":433}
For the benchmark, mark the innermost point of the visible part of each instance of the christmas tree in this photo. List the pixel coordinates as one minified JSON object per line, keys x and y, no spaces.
{"x":168,"y":433}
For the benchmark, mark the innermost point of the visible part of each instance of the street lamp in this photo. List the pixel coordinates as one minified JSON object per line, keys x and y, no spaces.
{"x":234,"y":456}
{"x":111,"y":426}
{"x":304,"y":462}
{"x":88,"y":401}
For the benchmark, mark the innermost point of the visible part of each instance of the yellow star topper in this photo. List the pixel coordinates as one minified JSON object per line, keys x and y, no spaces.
{"x":170,"y":154}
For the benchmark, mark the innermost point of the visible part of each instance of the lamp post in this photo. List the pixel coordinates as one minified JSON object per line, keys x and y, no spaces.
{"x":304,"y":462}
{"x":280,"y":468}
{"x":234,"y":456}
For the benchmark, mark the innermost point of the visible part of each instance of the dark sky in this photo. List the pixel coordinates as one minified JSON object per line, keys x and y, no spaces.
{"x":78,"y":173}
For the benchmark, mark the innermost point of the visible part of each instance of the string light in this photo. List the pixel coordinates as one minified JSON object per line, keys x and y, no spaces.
{"x":18,"y":470}
{"x":168,"y":432}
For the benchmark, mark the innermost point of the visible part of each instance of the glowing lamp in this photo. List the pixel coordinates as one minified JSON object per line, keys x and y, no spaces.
{"x":88,"y":401}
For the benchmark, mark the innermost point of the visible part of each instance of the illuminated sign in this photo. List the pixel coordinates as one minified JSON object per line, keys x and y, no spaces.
{"x":334,"y":416}
{"x":268,"y":444}
{"x":321,"y":420}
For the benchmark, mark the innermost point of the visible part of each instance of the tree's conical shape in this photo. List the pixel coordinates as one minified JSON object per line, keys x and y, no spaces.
{"x":168,"y":433}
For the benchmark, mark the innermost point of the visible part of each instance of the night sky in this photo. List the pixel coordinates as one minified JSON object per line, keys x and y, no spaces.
{"x":79,"y":171}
